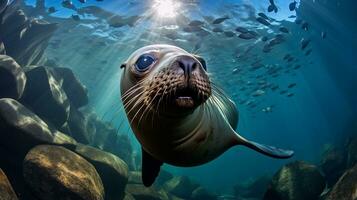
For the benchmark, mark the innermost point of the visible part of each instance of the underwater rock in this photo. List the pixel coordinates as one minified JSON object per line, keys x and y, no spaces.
{"x":21,"y":130}
{"x":112,"y":170}
{"x":54,"y":171}
{"x":12,"y":78}
{"x":332,"y":164}
{"x":180,"y":186}
{"x":140,"y":192}
{"x":253,"y":189}
{"x":201,"y":193}
{"x":163,"y":177}
{"x":25,"y":40}
{"x":346,"y":187}
{"x":296,"y":181}
{"x":118,"y":144}
{"x":77,"y":124}
{"x":352,"y":152}
{"x":44,"y":95}
{"x":135,"y":177}
{"x":76,"y":92}
{"x":6,"y":191}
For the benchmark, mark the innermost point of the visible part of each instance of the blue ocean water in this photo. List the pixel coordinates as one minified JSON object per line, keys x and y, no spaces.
{"x":321,"y":108}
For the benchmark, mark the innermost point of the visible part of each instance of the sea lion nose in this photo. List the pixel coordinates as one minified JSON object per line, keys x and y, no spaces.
{"x":187,"y":64}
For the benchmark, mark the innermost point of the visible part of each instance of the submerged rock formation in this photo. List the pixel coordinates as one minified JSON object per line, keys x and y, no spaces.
{"x":181,"y":186}
{"x":44,"y":95}
{"x":31,"y":36}
{"x":53,"y":172}
{"x":12,"y":78}
{"x":21,"y":129}
{"x":296,"y":181}
{"x":346,"y":187}
{"x":6,"y":191}
{"x":112,"y":170}
{"x":76,"y":92}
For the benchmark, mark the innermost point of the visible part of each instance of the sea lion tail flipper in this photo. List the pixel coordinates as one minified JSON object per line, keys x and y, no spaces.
{"x":150,"y":168}
{"x":266,"y":149}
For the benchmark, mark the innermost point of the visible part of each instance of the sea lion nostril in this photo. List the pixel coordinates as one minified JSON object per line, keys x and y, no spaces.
{"x":187,"y":64}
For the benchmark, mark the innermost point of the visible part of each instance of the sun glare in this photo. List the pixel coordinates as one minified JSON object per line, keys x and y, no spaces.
{"x":166,"y":8}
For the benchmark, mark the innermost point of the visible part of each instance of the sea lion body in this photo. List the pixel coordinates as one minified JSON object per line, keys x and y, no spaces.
{"x":176,"y":113}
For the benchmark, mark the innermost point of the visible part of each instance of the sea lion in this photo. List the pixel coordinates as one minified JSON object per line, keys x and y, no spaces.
{"x":178,"y":115}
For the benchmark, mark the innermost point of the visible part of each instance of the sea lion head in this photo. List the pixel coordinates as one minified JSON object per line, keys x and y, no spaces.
{"x":165,"y":79}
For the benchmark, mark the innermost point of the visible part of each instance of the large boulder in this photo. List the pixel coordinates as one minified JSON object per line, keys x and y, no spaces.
{"x":76,"y":92}
{"x":140,"y":192}
{"x":21,"y":129}
{"x":346,"y":187}
{"x":332,"y":164}
{"x":12,"y":78}
{"x":296,"y":181}
{"x":181,"y":186}
{"x":53,"y":171}
{"x":112,"y":170}
{"x":44,"y":95}
{"x":253,"y":188}
{"x":6,"y":191}
{"x":25,"y":40}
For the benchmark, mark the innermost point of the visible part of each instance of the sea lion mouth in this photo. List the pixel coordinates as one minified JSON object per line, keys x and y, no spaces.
{"x":185,"y":98}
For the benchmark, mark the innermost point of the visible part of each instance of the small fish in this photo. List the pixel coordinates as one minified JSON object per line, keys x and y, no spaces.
{"x":308,"y":52}
{"x":292,"y":6}
{"x":290,"y":94}
{"x":297,"y":67}
{"x":305,"y":26}
{"x":263,"y":21}
{"x":196,"y":23}
{"x":229,"y":33}
{"x":235,"y":71}
{"x":76,"y":17}
{"x":283,"y":29}
{"x":304,"y":43}
{"x":68,"y":4}
{"x":291,"y":59}
{"x":263,"y":16}
{"x":283,"y":92}
{"x":271,"y":8}
{"x":217,"y":30}
{"x":242,"y":30}
{"x":82,"y":1}
{"x":258,"y":93}
{"x":286,"y":57}
{"x":323,"y":34}
{"x":52,"y":10}
{"x":264,"y":38}
{"x":274,"y":88}
{"x":246,"y":36}
{"x":220,"y":20}
{"x":291,"y":85}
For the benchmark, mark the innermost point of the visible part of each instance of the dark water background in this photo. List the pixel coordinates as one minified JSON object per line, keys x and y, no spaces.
{"x":322,"y":110}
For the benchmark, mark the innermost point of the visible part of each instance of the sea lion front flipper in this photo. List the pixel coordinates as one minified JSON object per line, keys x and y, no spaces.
{"x":265,"y":149}
{"x":150,"y":168}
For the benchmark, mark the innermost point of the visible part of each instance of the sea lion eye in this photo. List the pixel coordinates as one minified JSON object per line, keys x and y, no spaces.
{"x":144,"y":62}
